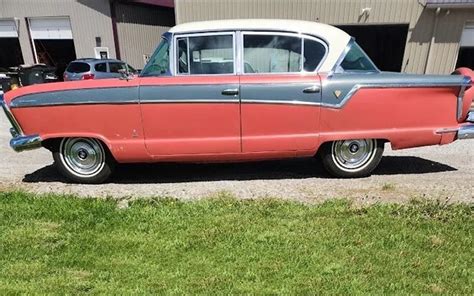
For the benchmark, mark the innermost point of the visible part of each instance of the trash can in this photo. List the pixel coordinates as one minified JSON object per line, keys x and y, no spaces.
{"x":36,"y":74}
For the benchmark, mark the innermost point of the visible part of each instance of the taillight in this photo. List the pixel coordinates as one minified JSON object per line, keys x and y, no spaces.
{"x":87,"y":76}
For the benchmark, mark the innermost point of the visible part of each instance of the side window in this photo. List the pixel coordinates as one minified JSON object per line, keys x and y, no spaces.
{"x":101,"y":67}
{"x":115,"y":67}
{"x":314,"y":52}
{"x":205,"y":54}
{"x":159,"y":61}
{"x":272,"y":54}
{"x":357,"y":60}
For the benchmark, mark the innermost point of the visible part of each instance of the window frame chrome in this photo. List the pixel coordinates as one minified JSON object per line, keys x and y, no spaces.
{"x":201,"y":34}
{"x":302,"y":38}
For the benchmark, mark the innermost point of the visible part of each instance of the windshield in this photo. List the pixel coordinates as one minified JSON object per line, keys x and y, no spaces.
{"x":159,"y":61}
{"x":357,"y":60}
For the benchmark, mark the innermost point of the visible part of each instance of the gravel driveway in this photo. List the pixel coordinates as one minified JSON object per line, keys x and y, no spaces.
{"x":439,"y":172}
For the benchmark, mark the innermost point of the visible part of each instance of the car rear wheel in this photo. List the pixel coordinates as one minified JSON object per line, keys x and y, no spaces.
{"x":83,"y":160}
{"x":352,"y":158}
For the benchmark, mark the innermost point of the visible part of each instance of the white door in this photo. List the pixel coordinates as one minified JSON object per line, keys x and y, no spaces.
{"x":8,"y":29}
{"x":50,"y":28}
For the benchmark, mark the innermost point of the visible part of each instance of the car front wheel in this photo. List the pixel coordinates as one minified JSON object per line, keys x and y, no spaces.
{"x":352,"y":158}
{"x":83,"y":160}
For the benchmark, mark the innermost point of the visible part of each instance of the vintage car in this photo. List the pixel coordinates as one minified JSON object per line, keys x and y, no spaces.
{"x":243,"y":90}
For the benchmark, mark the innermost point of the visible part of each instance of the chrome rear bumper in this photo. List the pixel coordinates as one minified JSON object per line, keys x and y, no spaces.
{"x":470,"y":117}
{"x":467,"y":131}
{"x":22,"y":143}
{"x":19,"y":141}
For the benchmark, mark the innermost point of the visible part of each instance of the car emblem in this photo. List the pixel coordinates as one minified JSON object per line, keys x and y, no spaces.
{"x":337,"y":93}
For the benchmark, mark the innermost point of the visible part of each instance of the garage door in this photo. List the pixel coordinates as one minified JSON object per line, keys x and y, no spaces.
{"x":467,"y":38}
{"x":372,"y":38}
{"x":50,"y":28}
{"x":8,"y":29}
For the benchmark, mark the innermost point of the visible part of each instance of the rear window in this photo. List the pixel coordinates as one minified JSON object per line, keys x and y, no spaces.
{"x":78,"y":67}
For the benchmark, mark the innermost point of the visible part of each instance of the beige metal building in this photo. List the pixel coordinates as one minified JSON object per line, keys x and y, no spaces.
{"x":58,"y":31}
{"x":416,"y":36}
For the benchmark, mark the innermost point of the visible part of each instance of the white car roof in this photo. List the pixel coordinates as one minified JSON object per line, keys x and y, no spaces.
{"x":336,"y":39}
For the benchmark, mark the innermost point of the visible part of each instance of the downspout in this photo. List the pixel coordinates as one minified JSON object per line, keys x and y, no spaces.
{"x":113,"y":16}
{"x":432,"y":41}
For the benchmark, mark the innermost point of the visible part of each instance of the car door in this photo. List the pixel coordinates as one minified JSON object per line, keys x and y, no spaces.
{"x":195,"y":110}
{"x":100,"y":70}
{"x":280,"y":92}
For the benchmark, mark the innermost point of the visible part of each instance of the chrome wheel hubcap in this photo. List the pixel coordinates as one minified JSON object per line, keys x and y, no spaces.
{"x":352,"y":155}
{"x":82,"y":156}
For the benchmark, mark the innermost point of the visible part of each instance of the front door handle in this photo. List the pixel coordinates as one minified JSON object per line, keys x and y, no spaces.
{"x":312,"y":89}
{"x":230,"y":92}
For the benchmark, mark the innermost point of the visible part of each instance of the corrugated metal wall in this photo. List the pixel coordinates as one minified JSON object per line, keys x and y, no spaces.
{"x":349,"y":12}
{"x":139,"y":30}
{"x":89,"y":19}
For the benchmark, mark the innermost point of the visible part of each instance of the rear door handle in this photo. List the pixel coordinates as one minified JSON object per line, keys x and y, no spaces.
{"x":230,"y":92}
{"x":312,"y":89}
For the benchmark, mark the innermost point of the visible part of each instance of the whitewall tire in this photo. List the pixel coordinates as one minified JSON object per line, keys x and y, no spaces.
{"x":352,"y":158}
{"x":83,"y":160}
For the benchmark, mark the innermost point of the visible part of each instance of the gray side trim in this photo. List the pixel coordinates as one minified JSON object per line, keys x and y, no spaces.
{"x":346,"y":85}
{"x":357,"y":87}
{"x":283,"y":93}
{"x":280,"y":102}
{"x":187,"y":93}
{"x":190,"y":101}
{"x":117,"y":95}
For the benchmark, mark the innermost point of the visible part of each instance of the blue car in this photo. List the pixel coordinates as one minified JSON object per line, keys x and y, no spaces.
{"x":83,"y":69}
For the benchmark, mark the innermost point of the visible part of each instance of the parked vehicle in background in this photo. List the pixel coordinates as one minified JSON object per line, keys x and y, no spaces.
{"x":36,"y":74}
{"x":84,"y":69}
{"x":239,"y":90}
{"x":24,"y":75}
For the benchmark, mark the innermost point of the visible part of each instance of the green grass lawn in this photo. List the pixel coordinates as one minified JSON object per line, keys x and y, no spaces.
{"x":63,"y":244}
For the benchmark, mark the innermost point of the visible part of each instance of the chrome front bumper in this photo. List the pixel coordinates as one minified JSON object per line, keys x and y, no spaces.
{"x":19,"y":141}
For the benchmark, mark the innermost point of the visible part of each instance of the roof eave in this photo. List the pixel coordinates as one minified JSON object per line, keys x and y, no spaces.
{"x":450,"y":6}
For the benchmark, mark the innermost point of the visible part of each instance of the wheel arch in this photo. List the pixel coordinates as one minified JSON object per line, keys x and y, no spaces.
{"x":52,"y":141}
{"x":328,"y":142}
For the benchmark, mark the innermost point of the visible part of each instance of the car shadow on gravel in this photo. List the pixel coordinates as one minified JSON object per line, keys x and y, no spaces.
{"x":264,"y":170}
